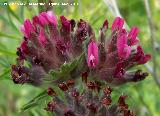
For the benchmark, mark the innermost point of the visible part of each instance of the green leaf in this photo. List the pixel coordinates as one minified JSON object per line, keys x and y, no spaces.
{"x":9,"y":36}
{"x":4,"y":73}
{"x":76,"y":9}
{"x":41,"y":8}
{"x":4,"y":19}
{"x":66,"y":68}
{"x":35,"y":101}
{"x":13,"y":14}
{"x":12,"y":23}
{"x":7,"y":52}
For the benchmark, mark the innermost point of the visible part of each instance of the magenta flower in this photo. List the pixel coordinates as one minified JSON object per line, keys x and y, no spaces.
{"x":140,"y":57}
{"x":132,"y":36}
{"x":66,"y":25}
{"x":36,"y":21}
{"x":52,"y":18}
{"x":24,"y":46}
{"x":45,"y":18}
{"x":119,"y":71}
{"x":42,"y":38}
{"x":124,"y":50}
{"x":27,"y":28}
{"x":92,"y":54}
{"x":117,"y":23}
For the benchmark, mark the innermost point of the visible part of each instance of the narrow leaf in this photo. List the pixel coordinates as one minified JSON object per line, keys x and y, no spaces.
{"x":13,"y":14}
{"x":35,"y":101}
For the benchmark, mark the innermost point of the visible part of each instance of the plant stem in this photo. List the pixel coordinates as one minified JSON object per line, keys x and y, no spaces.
{"x":152,"y":34}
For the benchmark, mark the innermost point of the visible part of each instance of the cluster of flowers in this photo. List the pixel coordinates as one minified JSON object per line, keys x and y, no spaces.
{"x":86,"y":103}
{"x":45,"y":47}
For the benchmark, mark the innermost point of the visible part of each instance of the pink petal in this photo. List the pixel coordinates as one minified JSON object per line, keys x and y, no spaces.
{"x":66,"y":25}
{"x":140,"y":57}
{"x":145,"y":59}
{"x":127,"y":51}
{"x":42,"y":38}
{"x":124,"y":50}
{"x":28,"y":28}
{"x":117,"y":23}
{"x":22,"y":29}
{"x":121,"y":42}
{"x":43,"y":18}
{"x":36,"y":21}
{"x":52,"y":18}
{"x":92,"y":54}
{"x":132,"y":36}
{"x":24,"y":47}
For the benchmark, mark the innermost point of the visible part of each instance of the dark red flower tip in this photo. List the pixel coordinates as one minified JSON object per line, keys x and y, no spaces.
{"x":139,"y":75}
{"x":106,"y":101}
{"x":75,"y":93}
{"x":51,"y":92}
{"x":51,"y":106}
{"x":66,"y":24}
{"x":128,"y":113}
{"x":73,"y":24}
{"x":91,"y":85}
{"x":20,"y":54}
{"x":84,"y":77}
{"x":37,"y":61}
{"x":105,"y":24}
{"x":92,"y":107}
{"x":140,"y":57}
{"x":63,"y":86}
{"x":96,"y":86}
{"x":119,"y":70}
{"x":70,"y":83}
{"x":81,"y":32}
{"x":69,"y":113}
{"x":107,"y":91}
{"x":121,"y":102}
{"x":19,"y":74}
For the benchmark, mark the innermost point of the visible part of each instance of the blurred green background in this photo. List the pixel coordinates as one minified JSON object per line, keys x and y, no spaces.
{"x":144,"y":96}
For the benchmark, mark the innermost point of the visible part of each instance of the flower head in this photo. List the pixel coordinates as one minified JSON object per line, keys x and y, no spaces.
{"x":58,"y":56}
{"x":110,"y":59}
